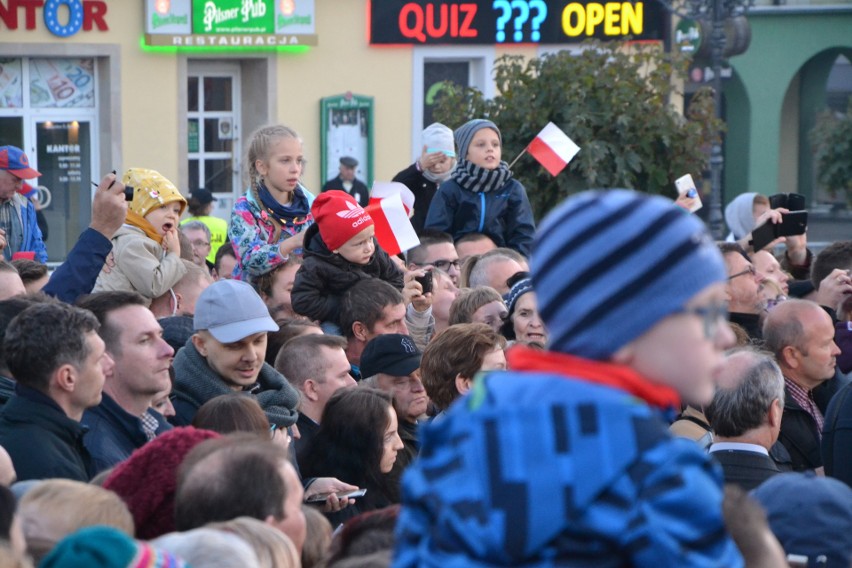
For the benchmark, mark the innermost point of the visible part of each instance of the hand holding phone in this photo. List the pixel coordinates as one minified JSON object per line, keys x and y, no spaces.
{"x":321,"y":497}
{"x":687,"y":193}
{"x":425,"y":282}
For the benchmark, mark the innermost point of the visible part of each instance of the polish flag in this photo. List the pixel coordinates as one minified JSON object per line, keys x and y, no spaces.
{"x":553,"y":149}
{"x":384,"y":189}
{"x":393,"y":227}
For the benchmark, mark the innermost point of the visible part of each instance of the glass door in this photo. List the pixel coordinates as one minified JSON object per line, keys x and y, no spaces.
{"x":64,"y":157}
{"x":213,"y":144}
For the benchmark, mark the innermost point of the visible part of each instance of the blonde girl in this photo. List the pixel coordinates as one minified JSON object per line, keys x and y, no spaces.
{"x":267,"y":223}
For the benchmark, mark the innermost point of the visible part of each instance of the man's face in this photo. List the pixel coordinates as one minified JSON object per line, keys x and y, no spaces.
{"x":685,"y":350}
{"x":347,"y":173}
{"x":142,"y":358}
{"x":818,"y":351}
{"x":11,"y":284}
{"x":278,"y":301}
{"x":293,"y":524}
{"x":226,"y":267}
{"x":238,"y":363}
{"x":92,"y":373}
{"x":470,"y":248}
{"x":200,"y":245}
{"x":392,"y":321}
{"x":500,"y":272}
{"x":9,"y":184}
{"x":744,"y":289}
{"x":336,"y":375}
{"x":443,"y":256}
{"x":409,"y":396}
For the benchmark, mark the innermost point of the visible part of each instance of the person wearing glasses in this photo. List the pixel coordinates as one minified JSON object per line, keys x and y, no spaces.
{"x":436,"y":250}
{"x":744,"y":290}
{"x":567,"y":455}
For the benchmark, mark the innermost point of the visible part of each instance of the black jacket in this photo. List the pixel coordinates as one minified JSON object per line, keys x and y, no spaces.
{"x":359,"y":191}
{"x":799,"y":435}
{"x":114,"y":433}
{"x":325,"y":276}
{"x":744,"y":468}
{"x":42,"y":441}
{"x":423,"y":190}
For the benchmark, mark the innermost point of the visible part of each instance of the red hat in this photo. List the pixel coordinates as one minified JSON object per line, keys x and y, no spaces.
{"x":14,"y":161}
{"x":339,"y":217}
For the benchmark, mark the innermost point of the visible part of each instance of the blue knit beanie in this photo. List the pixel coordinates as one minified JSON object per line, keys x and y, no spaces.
{"x":608,"y":265}
{"x":464,"y":134}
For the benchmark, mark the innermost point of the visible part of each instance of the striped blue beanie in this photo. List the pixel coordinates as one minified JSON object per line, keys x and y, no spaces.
{"x":608,"y":265}
{"x":464,"y":134}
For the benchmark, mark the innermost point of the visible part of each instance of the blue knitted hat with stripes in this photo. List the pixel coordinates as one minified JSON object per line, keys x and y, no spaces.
{"x":608,"y":265}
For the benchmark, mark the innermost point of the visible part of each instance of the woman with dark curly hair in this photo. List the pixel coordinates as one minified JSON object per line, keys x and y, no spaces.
{"x":357,"y":443}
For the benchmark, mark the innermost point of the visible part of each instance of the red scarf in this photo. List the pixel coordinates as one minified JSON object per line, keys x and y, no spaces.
{"x":522,"y":358}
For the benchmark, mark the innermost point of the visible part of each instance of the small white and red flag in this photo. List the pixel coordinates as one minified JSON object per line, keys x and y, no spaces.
{"x":383,"y":189}
{"x":553,"y":149}
{"x":390,"y":216}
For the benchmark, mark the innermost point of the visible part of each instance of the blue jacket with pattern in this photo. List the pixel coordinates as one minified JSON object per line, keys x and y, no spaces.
{"x":561,"y":462}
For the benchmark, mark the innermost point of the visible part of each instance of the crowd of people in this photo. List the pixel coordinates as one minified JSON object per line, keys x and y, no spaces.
{"x":610,"y":388}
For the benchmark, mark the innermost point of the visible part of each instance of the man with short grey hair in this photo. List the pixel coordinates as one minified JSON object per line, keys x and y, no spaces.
{"x":494,"y":269}
{"x":199,"y":237}
{"x":745,"y":415}
{"x":801,"y":336}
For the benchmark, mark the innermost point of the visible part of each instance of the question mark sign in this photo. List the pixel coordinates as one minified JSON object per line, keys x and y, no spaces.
{"x":503,"y":18}
{"x":541,"y":14}
{"x":522,"y":17}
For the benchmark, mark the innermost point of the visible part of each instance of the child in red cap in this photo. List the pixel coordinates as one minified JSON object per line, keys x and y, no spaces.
{"x":340,"y":250}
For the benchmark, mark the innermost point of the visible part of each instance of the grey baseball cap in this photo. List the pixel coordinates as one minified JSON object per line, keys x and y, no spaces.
{"x":231,"y":310}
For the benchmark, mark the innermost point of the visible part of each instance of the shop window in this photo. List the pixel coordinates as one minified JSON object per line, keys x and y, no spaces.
{"x":62,"y":83}
{"x":11,"y":84}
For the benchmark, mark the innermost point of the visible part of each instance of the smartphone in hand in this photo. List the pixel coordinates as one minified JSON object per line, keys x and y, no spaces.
{"x":686,"y":186}
{"x":321,"y":497}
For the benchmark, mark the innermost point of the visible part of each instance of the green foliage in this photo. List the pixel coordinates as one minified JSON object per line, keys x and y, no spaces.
{"x":831,"y":139}
{"x":613,"y":101}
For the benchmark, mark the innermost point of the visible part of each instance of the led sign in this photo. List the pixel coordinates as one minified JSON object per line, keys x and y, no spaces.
{"x":488,"y":22}
{"x":230,"y":24}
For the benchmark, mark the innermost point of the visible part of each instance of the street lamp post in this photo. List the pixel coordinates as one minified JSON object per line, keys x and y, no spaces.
{"x":714,"y":15}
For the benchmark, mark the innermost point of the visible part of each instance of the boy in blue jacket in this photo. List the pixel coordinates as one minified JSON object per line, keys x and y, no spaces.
{"x":566,"y":459}
{"x":481,"y":196}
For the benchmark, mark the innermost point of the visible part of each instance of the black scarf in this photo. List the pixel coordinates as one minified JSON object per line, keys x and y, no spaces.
{"x":293,"y":215}
{"x":479,"y":180}
{"x":197,"y":382}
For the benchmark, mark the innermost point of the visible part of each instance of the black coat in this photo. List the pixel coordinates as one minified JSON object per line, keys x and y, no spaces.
{"x":423,"y":190}
{"x":799,"y":435}
{"x":325,"y":276}
{"x":359,"y":191}
{"x":744,"y":468}
{"x":42,"y":441}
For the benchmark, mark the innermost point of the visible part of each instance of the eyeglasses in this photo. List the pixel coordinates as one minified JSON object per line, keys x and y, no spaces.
{"x":199,"y":244}
{"x":442,"y":264}
{"x":710,"y":315}
{"x":749,"y":270}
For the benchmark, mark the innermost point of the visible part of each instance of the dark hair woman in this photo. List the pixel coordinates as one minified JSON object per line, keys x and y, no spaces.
{"x":237,"y":412}
{"x":357,"y":443}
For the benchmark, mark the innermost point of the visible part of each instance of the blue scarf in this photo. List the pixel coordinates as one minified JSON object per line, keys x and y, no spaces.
{"x":293,"y":215}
